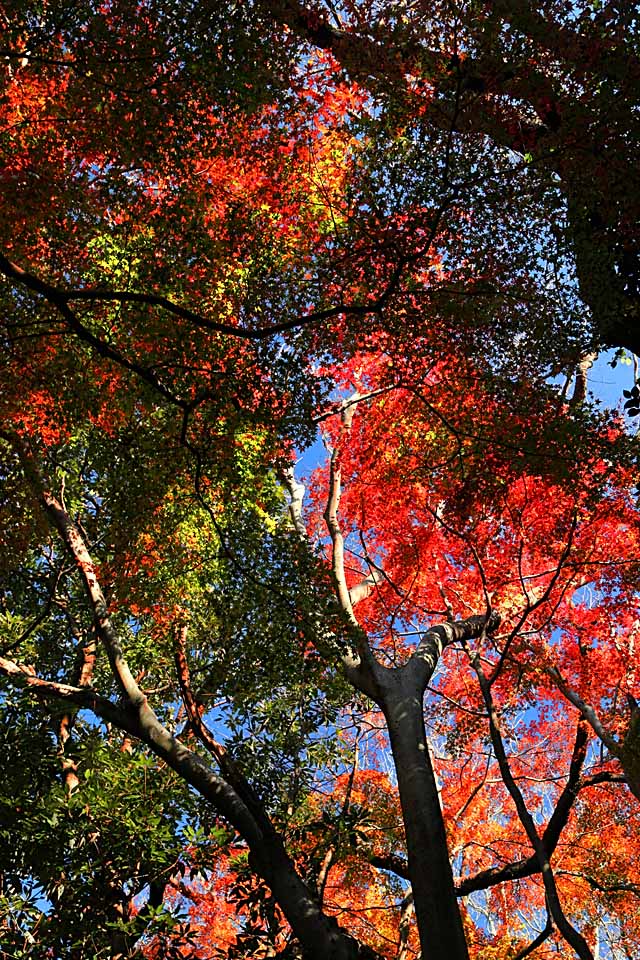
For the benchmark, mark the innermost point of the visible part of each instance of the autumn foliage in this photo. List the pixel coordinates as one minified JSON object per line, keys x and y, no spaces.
{"x":319,"y":574}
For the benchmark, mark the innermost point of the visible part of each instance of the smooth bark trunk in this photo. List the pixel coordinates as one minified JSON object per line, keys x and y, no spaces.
{"x":436,"y":905}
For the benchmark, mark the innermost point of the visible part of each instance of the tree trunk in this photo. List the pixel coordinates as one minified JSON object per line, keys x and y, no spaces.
{"x":436,"y":905}
{"x":320,"y":936}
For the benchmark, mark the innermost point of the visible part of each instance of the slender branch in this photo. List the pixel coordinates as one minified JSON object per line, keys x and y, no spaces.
{"x":296,"y":498}
{"x":560,"y":816}
{"x":620,"y":887}
{"x":328,"y":859}
{"x":585,"y":709}
{"x":543,"y":598}
{"x":24,"y":676}
{"x":476,"y":790}
{"x":339,"y":408}
{"x":323,"y":872}
{"x":556,"y":824}
{"x":320,"y":934}
{"x":137,"y":716}
{"x":605,"y":776}
{"x":537,"y":941}
{"x":353,"y":659}
{"x":337,"y":539}
{"x":59,"y":300}
{"x":83,"y":677}
{"x":359,"y":662}
{"x":407,"y":909}
{"x":194,"y":710}
{"x":568,"y":931}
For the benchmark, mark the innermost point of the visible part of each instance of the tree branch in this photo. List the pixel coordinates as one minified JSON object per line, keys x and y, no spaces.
{"x":568,"y":931}
{"x":425,"y":657}
{"x":537,"y":941}
{"x":628,"y":752}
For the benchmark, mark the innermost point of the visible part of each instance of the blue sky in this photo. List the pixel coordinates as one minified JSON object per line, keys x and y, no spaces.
{"x":607,"y":383}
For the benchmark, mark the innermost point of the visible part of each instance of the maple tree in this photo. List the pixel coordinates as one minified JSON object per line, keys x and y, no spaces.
{"x":398,"y":715}
{"x":555,"y":83}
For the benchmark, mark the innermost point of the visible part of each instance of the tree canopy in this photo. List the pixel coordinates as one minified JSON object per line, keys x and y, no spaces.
{"x":319,"y":571}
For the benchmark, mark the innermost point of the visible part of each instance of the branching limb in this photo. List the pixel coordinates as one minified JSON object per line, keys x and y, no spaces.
{"x":337,"y":539}
{"x":341,"y":407}
{"x":424,"y":659}
{"x":361,"y":590}
{"x":193,"y":708}
{"x":392,"y":863}
{"x":531,"y":606}
{"x":560,"y":816}
{"x":296,"y":491}
{"x":614,"y":887}
{"x":627,"y":752}
{"x":530,"y":866}
{"x":60,"y":301}
{"x":136,"y":716}
{"x":359,"y":661}
{"x":568,"y":931}
{"x":321,"y":935}
{"x":585,"y":709}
